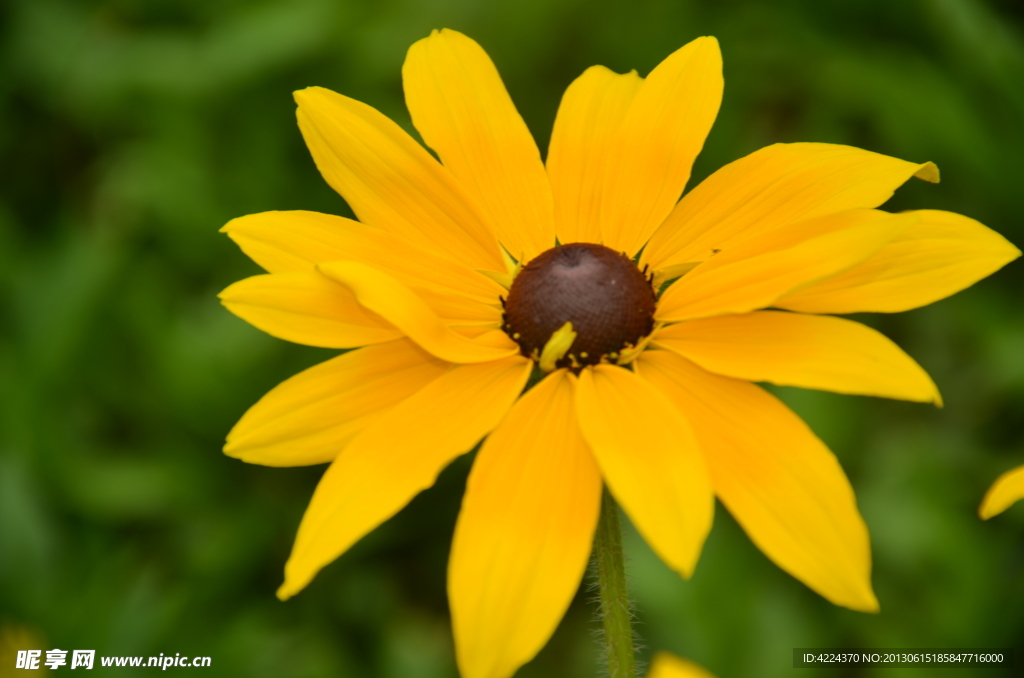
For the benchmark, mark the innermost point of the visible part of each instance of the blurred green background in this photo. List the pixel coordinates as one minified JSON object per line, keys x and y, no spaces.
{"x":131,"y":130}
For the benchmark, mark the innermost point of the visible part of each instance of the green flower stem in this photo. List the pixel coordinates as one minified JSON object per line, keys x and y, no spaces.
{"x":616,"y":612}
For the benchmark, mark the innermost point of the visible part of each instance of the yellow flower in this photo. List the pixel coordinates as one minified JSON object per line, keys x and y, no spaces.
{"x":667,"y":665}
{"x":1005,"y":491}
{"x":660,"y":407}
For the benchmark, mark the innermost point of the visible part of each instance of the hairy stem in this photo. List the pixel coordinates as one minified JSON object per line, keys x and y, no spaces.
{"x":611,"y":580}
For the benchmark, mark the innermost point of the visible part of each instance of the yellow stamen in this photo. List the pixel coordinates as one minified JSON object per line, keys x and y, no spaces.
{"x":557,"y":346}
{"x":630,"y":353}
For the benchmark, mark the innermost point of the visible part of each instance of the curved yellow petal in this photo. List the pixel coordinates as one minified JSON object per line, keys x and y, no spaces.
{"x":383,"y":294}
{"x":524,"y":534}
{"x":940,"y":255}
{"x":650,"y":461}
{"x":460,"y":106}
{"x":777,"y":479}
{"x":660,"y":136}
{"x":311,"y":417}
{"x":793,"y":349}
{"x":392,"y":182}
{"x":307,"y":308}
{"x":1005,"y":491}
{"x":667,"y":665}
{"x":769,"y":188}
{"x":755,"y":273}
{"x":590,"y":114}
{"x":396,"y":457}
{"x":297,"y":241}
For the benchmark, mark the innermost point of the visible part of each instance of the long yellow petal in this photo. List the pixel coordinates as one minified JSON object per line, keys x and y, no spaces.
{"x":297,"y":241}
{"x":386,"y":296}
{"x":667,"y":665}
{"x":777,"y":479}
{"x":650,"y":461}
{"x":392,"y":182}
{"x":311,"y":417}
{"x":396,"y":457}
{"x":755,"y":273}
{"x":771,"y":187}
{"x":1005,"y":491}
{"x":307,"y":308}
{"x":524,"y":533}
{"x":654,"y":149}
{"x":940,"y":255}
{"x":793,"y":349}
{"x":590,"y":114}
{"x":460,"y":106}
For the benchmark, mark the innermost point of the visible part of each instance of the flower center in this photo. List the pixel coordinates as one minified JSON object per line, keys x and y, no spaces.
{"x":608,"y":300}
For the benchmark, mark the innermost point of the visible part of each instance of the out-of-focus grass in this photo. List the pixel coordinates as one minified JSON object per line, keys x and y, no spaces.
{"x":131,"y":130}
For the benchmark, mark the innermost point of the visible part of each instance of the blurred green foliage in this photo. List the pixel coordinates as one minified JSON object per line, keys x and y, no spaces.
{"x":131,"y":130}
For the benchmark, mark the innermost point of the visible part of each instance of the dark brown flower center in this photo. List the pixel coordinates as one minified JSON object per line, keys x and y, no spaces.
{"x":609,"y":302}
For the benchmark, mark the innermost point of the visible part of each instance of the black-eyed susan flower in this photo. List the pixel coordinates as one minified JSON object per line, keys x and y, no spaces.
{"x":644,"y":313}
{"x":1007,"y":490}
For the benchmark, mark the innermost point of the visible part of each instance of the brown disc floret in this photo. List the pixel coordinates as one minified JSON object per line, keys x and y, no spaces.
{"x":608,"y":300}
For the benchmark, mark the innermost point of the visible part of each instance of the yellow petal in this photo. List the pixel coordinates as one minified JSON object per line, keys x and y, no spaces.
{"x":590,"y":114}
{"x":940,"y":255}
{"x":297,"y":241}
{"x":777,"y":479}
{"x":383,"y":294}
{"x":396,"y":457}
{"x":650,"y":461}
{"x":654,"y":148}
{"x":307,"y":308}
{"x":754,"y":273}
{"x":311,"y":417}
{"x":667,"y":665}
{"x":1005,"y":491}
{"x":392,"y":182}
{"x":524,"y":534}
{"x":810,"y":351}
{"x":460,"y":106}
{"x":771,"y":187}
